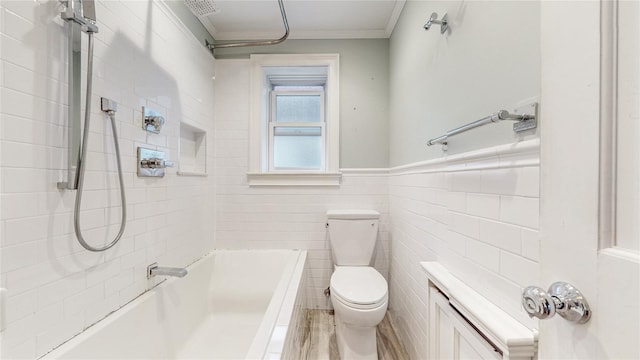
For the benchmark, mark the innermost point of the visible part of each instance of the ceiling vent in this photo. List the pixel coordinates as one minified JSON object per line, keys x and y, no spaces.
{"x":202,"y":7}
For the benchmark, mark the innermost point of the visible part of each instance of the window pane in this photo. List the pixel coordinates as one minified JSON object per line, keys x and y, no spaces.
{"x":297,"y":108}
{"x":299,"y":148}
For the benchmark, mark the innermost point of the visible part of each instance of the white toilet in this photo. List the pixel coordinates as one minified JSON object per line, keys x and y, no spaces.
{"x":358,"y":292}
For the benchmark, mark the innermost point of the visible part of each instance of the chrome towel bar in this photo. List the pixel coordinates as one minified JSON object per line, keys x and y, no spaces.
{"x":524,"y":122}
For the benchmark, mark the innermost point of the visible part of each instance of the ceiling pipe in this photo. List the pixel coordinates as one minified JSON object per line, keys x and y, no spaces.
{"x":214,"y":46}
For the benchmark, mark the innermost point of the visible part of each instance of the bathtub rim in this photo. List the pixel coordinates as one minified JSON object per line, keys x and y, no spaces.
{"x":279,"y":311}
{"x":265,"y":342}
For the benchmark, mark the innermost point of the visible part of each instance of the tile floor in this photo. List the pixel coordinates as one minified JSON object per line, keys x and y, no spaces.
{"x":320,"y":339}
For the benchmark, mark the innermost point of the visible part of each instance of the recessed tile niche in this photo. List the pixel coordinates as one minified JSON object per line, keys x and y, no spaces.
{"x":193,"y":151}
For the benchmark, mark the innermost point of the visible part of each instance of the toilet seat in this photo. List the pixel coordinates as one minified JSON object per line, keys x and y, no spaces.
{"x":360,"y":287}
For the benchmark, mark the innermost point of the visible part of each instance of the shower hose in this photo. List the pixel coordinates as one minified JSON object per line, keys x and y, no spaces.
{"x":81,"y":161}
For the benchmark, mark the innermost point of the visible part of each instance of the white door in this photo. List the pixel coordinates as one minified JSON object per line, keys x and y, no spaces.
{"x":590,"y":174}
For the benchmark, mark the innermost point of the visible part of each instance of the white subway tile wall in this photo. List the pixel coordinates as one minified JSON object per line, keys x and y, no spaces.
{"x":294,"y":218}
{"x":143,"y":57}
{"x":288,"y":217}
{"x":481,"y":224}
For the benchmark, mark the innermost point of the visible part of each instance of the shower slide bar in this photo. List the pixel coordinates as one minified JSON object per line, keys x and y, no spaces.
{"x":523,"y":122}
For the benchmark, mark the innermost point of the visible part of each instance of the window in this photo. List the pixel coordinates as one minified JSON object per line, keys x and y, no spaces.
{"x":294,"y":127}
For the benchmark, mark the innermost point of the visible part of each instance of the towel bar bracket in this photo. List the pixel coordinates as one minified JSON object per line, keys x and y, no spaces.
{"x":529,"y":119}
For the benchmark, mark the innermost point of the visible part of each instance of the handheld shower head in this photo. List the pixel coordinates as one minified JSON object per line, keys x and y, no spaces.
{"x":89,"y":10}
{"x":202,"y":7}
{"x":81,"y":12}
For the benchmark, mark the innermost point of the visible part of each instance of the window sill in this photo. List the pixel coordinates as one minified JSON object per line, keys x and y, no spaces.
{"x":294,"y":179}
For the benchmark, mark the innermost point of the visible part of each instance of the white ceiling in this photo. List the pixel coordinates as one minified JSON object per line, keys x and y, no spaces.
{"x":308,"y":19}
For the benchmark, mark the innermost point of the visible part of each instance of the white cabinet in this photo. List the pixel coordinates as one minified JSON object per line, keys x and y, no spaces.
{"x":451,"y":336}
{"x":465,"y":325}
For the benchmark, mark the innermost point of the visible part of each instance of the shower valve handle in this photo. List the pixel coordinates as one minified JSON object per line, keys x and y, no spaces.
{"x":153,"y":123}
{"x":155,"y":163}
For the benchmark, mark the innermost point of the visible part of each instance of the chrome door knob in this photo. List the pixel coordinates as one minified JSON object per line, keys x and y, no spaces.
{"x":561,"y":298}
{"x":537,"y":303}
{"x":570,"y":303}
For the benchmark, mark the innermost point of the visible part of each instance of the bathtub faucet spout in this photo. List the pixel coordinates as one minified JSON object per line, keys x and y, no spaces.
{"x":154,"y":269}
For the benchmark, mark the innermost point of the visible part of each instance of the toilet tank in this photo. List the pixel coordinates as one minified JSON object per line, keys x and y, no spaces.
{"x":352,"y":234}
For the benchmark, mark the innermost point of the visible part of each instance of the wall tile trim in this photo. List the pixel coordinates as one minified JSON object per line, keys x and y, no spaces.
{"x":521,"y":154}
{"x":365,"y":171}
{"x":477,"y":214}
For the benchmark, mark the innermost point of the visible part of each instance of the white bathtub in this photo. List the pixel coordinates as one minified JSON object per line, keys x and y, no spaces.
{"x":231,"y":305}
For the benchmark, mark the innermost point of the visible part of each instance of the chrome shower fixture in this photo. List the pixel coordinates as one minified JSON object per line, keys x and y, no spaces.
{"x":202,"y":7}
{"x":80,"y":16}
{"x":433,"y":19}
{"x":81,"y":12}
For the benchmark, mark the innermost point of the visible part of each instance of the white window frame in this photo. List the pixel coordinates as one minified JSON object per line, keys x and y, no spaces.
{"x":273,"y":124}
{"x":261,"y":172}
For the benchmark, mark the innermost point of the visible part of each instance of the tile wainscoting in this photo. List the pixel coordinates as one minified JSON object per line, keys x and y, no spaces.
{"x":292,"y":217}
{"x":477,"y":213}
{"x":55,"y":287}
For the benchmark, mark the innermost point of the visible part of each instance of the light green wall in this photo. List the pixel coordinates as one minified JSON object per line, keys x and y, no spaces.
{"x":364,"y":94}
{"x":364,"y":87}
{"x":490,"y":60}
{"x":395,"y":94}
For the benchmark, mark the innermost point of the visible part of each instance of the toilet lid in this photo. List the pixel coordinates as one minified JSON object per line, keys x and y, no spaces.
{"x":361,"y":285}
